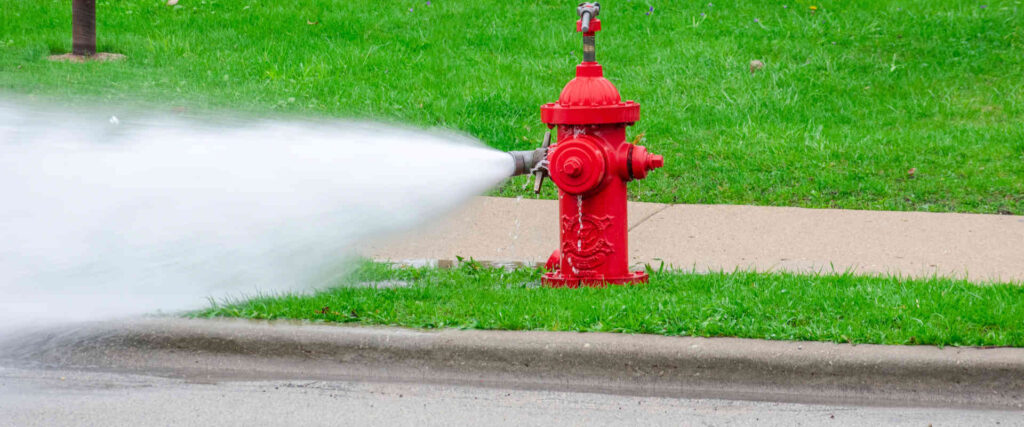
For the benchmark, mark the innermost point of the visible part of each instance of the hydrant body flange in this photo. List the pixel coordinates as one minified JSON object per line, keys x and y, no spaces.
{"x":591,"y":162}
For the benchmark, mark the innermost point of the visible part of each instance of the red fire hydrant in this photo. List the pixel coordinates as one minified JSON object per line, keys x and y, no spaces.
{"x":591,"y":162}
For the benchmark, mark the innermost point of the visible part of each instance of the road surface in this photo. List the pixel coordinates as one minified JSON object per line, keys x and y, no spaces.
{"x":39,"y":397}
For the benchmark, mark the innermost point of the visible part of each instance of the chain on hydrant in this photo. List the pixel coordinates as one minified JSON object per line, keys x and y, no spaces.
{"x":590,"y":162}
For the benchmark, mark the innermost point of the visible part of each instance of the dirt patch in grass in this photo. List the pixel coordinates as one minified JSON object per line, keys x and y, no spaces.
{"x":97,"y":57}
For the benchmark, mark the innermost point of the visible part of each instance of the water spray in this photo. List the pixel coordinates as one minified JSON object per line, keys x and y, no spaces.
{"x":114,"y":216}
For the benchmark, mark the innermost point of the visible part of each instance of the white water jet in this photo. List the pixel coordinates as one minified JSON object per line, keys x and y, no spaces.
{"x":104,"y":217}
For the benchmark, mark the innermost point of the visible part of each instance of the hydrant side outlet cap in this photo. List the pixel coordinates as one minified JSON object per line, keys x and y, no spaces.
{"x":578,"y":166}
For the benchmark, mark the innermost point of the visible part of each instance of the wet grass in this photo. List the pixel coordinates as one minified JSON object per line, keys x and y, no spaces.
{"x":854,"y":95}
{"x":776,"y":306}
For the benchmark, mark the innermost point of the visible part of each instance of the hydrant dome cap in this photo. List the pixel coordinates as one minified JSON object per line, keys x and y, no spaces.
{"x":589,"y":99}
{"x":589,"y":91}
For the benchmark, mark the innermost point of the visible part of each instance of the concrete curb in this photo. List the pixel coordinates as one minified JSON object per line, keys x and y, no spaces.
{"x":810,"y":372}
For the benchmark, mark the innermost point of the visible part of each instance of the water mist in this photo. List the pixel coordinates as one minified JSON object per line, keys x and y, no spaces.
{"x":104,"y":216}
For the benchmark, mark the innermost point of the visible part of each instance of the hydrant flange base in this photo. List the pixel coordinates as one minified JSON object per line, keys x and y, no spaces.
{"x":558,"y":280}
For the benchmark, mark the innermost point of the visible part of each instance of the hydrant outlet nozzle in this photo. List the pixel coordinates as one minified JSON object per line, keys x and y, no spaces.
{"x":637,"y":161}
{"x":524,"y":161}
{"x":534,"y":162}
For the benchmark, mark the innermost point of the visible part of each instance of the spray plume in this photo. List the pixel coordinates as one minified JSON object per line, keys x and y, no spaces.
{"x":103,"y":217}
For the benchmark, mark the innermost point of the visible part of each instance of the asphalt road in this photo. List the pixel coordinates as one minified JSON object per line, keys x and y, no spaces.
{"x":30,"y":397}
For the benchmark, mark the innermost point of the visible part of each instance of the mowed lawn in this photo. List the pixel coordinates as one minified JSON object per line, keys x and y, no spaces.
{"x":870,"y":104}
{"x":778,"y":306}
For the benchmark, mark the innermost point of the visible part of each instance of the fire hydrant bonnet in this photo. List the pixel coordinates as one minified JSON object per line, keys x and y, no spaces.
{"x":589,"y":99}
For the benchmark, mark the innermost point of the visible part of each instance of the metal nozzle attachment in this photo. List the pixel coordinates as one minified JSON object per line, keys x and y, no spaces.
{"x":533,"y":162}
{"x":525,"y":161}
{"x":587,"y":11}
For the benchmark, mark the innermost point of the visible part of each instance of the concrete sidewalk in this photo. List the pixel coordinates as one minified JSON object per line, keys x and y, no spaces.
{"x":726,"y":237}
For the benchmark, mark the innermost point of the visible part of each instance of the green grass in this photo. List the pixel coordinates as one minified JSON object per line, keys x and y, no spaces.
{"x":854,"y":94}
{"x":777,"y":306}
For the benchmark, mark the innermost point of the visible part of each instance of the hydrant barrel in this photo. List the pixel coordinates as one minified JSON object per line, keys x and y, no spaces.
{"x":591,"y":162}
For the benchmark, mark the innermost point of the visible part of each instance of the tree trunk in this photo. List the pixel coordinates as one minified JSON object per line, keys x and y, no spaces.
{"x":83,"y":27}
